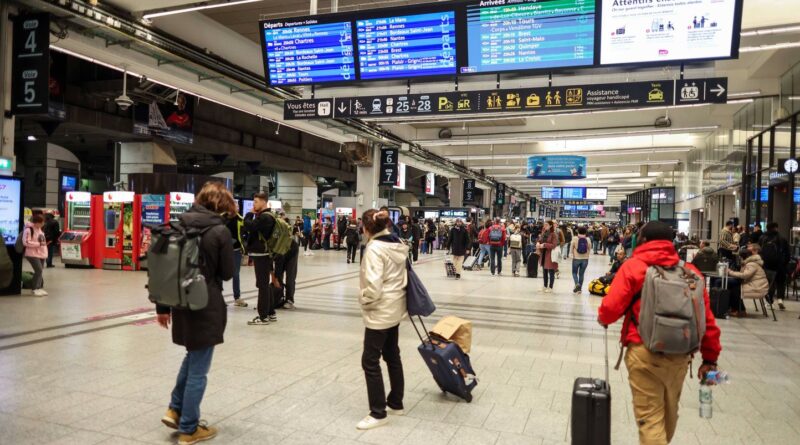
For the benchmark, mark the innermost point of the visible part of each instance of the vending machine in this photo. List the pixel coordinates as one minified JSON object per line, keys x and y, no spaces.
{"x":77,"y":248}
{"x":154,"y":213}
{"x":120,"y":240}
{"x":179,"y":202}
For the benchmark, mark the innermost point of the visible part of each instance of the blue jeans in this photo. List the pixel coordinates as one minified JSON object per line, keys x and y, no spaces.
{"x":496,"y":258}
{"x":612,"y":251}
{"x":237,"y":265}
{"x":484,"y":251}
{"x":578,"y":270}
{"x":595,"y":245}
{"x":189,"y":388}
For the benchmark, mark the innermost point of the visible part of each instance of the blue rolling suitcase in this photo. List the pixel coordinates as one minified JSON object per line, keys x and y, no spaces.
{"x":450,"y":367}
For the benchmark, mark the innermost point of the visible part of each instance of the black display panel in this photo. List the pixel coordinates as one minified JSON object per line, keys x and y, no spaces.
{"x":520,"y":35}
{"x":307,"y":51}
{"x":403,"y":46}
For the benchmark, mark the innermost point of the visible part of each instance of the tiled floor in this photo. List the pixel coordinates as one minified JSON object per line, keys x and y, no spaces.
{"x":86,"y":365}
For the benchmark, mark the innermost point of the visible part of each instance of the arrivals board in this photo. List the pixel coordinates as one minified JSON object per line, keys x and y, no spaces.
{"x":647,"y":31}
{"x":551,"y":193}
{"x":398,"y":47}
{"x":573,"y":193}
{"x":518,"y":35}
{"x":307,"y":51}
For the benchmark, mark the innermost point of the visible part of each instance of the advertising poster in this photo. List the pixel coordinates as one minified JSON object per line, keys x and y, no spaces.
{"x":170,"y":121}
{"x":430,"y":184}
{"x":153,"y":214}
{"x":556,"y":167}
{"x":10,"y":199}
{"x":664,"y":30}
{"x":71,"y":251}
{"x":400,"y":183}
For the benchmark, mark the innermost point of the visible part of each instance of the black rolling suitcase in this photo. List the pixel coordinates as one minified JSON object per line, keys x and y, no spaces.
{"x":533,"y":265}
{"x":470,"y":263}
{"x":720,"y":297}
{"x":591,"y":408}
{"x":450,"y":367}
{"x":449,"y":267}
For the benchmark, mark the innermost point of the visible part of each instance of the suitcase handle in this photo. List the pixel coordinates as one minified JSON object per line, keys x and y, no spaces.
{"x":422,"y":340}
{"x":605,"y":344}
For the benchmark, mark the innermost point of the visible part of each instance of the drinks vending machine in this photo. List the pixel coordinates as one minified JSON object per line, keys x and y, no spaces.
{"x":120,"y":242}
{"x":179,"y":202}
{"x":77,"y":247}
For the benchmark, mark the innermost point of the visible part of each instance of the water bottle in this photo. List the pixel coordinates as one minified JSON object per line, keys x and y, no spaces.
{"x":706,"y":401}
{"x":717,"y":377}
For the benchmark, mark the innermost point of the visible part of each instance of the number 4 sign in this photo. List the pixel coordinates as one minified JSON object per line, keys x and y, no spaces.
{"x":31,"y":64}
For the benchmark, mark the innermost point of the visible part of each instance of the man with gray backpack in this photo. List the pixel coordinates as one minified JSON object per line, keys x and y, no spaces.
{"x":667,"y":319}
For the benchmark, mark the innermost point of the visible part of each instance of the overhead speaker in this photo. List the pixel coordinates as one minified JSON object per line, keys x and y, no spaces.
{"x":445,"y":133}
{"x":358,"y":154}
{"x":663,"y":122}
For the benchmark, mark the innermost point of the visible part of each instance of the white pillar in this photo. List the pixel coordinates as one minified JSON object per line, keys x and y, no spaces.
{"x":456,"y":192}
{"x":139,"y":157}
{"x":6,"y":124}
{"x":296,"y":190}
{"x":367,"y":184}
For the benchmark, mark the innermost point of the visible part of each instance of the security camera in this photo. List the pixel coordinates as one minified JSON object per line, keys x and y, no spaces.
{"x":124,"y":102}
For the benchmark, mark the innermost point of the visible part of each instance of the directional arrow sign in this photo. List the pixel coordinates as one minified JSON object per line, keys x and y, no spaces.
{"x":341,"y":108}
{"x":719,"y":90}
{"x":698,"y":91}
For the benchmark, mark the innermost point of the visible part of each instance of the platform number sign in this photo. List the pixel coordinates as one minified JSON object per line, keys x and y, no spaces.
{"x":389,"y":166}
{"x":532,"y":205}
{"x":469,"y":190}
{"x":31,"y":64}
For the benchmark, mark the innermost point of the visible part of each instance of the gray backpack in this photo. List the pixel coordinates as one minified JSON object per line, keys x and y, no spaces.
{"x":672,"y":316}
{"x":174,"y":267}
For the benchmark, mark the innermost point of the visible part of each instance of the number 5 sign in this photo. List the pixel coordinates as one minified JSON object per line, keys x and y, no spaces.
{"x":389,"y":166}
{"x":31,"y":64}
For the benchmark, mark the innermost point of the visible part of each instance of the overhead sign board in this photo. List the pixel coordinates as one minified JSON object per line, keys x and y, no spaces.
{"x":500,"y":194}
{"x":31,"y":64}
{"x":469,"y":190}
{"x":556,"y":98}
{"x":389,"y":166}
{"x":400,"y":183}
{"x":430,"y":184}
{"x":557,"y":167}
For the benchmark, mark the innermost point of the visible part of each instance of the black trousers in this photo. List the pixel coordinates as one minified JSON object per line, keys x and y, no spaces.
{"x":549,"y":276}
{"x":361,"y":254}
{"x":779,"y":286}
{"x":496,"y":258}
{"x":266,"y":303}
{"x":286,"y":271}
{"x":351,"y":252}
{"x":415,"y":251}
{"x":379,"y":343}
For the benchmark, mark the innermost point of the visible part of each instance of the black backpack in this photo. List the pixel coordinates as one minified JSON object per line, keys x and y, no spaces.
{"x":770,"y":252}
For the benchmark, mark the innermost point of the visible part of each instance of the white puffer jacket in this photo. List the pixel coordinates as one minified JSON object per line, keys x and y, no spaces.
{"x":383,"y":283}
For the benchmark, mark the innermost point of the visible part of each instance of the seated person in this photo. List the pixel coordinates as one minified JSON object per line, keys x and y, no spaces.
{"x":619,"y":258}
{"x":754,"y":283}
{"x":706,"y":259}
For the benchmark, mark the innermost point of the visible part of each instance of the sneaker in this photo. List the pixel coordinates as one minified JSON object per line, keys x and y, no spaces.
{"x":40,"y":293}
{"x":543,"y":290}
{"x":458,"y":276}
{"x":348,"y":261}
{"x":203,"y":432}
{"x":577,"y":290}
{"x":548,"y":290}
{"x":171,"y":418}
{"x":370,"y":422}
{"x":258,"y":322}
{"x":395,"y":412}
{"x":781,"y":306}
{"x":273,"y":318}
{"x":239,"y":303}
{"x":288,"y":305}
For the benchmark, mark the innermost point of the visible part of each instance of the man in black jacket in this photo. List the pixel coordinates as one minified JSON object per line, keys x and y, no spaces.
{"x":52,"y":231}
{"x":776,"y":254}
{"x":459,"y":244}
{"x":259,"y":225}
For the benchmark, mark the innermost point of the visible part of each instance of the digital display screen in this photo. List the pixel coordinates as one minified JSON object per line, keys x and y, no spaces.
{"x":69,"y":183}
{"x":247,"y":206}
{"x":401,"y":47}
{"x":514,"y":35}
{"x":596,"y":194}
{"x":641,"y":32}
{"x":572,"y":192}
{"x":551,"y":192}
{"x":308,"y":52}
{"x":10,"y":210}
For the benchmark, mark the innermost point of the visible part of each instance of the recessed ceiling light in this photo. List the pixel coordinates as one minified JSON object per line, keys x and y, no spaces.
{"x":31,"y":138}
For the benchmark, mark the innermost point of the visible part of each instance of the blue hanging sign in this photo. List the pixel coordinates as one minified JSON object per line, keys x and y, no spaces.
{"x":556,"y":167}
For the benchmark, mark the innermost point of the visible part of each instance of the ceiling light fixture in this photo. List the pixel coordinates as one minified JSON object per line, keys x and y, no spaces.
{"x":586,"y":153}
{"x":31,"y":138}
{"x":744,"y":94}
{"x":196,"y":7}
{"x":769,"y":31}
{"x":740,"y":101}
{"x":593,"y":165}
{"x":769,"y":47}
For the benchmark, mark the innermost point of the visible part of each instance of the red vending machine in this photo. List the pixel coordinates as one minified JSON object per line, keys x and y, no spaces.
{"x":77,"y":242}
{"x":120,"y":240}
{"x":179,"y":202}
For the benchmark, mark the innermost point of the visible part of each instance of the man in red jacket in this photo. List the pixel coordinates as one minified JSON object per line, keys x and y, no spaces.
{"x":656,"y":379}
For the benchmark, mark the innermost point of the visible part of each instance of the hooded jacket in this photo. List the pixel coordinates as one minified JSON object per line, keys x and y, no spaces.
{"x":459,"y":241}
{"x":754,"y":279}
{"x":383,"y":282}
{"x":628,"y":283}
{"x":34,"y":241}
{"x":204,"y":328}
{"x":706,"y":259}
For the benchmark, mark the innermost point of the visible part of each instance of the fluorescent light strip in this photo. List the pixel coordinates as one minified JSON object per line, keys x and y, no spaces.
{"x":744,"y":94}
{"x":153,"y":15}
{"x":618,"y":164}
{"x":769,"y":47}
{"x":740,"y":101}
{"x":594,"y":175}
{"x":654,"y":150}
{"x":769,"y":31}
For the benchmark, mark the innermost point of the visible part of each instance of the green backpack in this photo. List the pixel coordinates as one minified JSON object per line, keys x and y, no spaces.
{"x":280,"y":242}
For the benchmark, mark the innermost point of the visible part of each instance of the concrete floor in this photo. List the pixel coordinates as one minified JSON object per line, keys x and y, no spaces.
{"x":87,"y":365}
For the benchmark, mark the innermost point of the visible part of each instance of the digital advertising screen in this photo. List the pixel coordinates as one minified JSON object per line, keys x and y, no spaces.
{"x":407,"y":46}
{"x":556,"y":167}
{"x":596,"y":194}
{"x":635,"y":31}
{"x":10,"y":209}
{"x":551,"y":192}
{"x":247,"y":206}
{"x":572,"y":192}
{"x":518,"y":35}
{"x":306,"y":51}
{"x":69,"y":183}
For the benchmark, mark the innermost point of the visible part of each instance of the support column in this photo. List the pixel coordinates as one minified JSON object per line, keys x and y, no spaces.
{"x":456,"y":192}
{"x":296,"y":190}
{"x":144,"y":157}
{"x":42,"y":164}
{"x":6,"y":123}
{"x":367,"y":184}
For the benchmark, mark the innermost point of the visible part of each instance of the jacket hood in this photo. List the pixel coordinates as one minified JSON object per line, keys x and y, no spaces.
{"x":200,"y":217}
{"x":397,"y":252}
{"x":754,"y":259}
{"x":657,"y":253}
{"x":707,"y":250}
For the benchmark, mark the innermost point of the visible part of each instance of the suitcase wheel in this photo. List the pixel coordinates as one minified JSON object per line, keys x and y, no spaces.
{"x":468,"y":397}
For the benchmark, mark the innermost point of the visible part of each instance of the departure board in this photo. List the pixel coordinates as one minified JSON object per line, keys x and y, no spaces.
{"x":551,"y":192}
{"x":572,"y":192}
{"x":515,"y":35}
{"x":308,"y":52}
{"x":407,"y":46}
